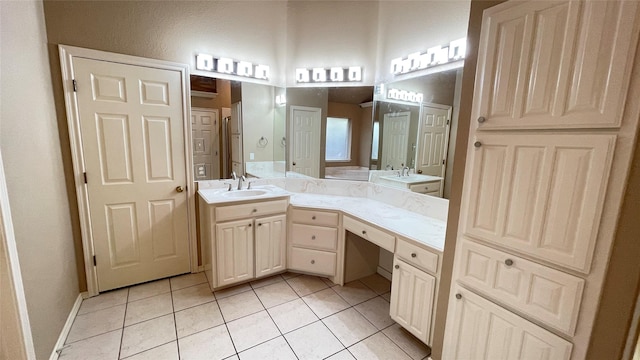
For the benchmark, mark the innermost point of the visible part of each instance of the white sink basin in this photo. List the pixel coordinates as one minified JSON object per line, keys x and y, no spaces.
{"x":244,"y":193}
{"x":411,"y":179}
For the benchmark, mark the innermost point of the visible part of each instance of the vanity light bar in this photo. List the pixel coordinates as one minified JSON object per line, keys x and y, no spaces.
{"x":405,"y":95}
{"x":333,"y":74}
{"x":434,"y":56}
{"x":225,"y":65}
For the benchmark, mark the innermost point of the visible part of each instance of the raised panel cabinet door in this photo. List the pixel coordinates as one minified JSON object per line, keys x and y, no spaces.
{"x":271,"y":245}
{"x":538,"y":193}
{"x":234,"y":251}
{"x":555,"y":64}
{"x":412,"y":293}
{"x":477,"y":329}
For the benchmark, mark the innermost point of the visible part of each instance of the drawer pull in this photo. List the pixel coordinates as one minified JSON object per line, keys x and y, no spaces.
{"x":313,"y":237}
{"x":313,"y":262}
{"x":254,"y":210}
{"x":481,"y":119}
{"x":364,"y":232}
{"x":313,"y":217}
{"x":397,"y":266}
{"x":477,"y":144}
{"x":458,"y":296}
{"x":414,"y":255}
{"x":508,"y":262}
{"x":426,"y":188}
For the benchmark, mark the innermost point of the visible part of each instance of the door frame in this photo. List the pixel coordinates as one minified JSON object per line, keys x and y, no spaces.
{"x":67,"y":54}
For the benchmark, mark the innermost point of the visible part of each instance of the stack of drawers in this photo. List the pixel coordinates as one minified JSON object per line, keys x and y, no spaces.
{"x":313,"y":241}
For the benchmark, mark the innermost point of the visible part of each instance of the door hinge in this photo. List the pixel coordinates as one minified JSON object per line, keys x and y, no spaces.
{"x":85,"y":177}
{"x":94,"y":261}
{"x":448,"y":121}
{"x":75,"y":85}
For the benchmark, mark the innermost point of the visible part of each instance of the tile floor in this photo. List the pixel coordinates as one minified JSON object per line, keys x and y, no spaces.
{"x":286,"y":316}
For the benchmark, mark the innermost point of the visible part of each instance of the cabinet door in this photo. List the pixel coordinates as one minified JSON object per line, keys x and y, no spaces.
{"x":234,"y":251}
{"x":271,"y":241}
{"x":538,"y":67}
{"x":482,"y":330}
{"x":412,"y":293}
{"x":538,"y":193}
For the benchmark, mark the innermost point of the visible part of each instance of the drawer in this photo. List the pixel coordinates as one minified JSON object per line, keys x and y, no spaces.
{"x":426,"y":187}
{"x":417,"y":256}
{"x":542,"y":293}
{"x":368,"y":232}
{"x":243,"y":211}
{"x":319,"y":237}
{"x":312,"y":217}
{"x":312,"y":261}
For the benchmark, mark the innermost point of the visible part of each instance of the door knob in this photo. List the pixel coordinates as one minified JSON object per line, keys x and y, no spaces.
{"x":481,"y":119}
{"x":179,"y":189}
{"x":294,"y":164}
{"x":477,"y":144}
{"x":458,"y":296}
{"x":397,"y":266}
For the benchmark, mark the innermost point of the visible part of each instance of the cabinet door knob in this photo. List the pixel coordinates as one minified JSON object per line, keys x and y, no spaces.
{"x":426,"y":188}
{"x":364,"y":232}
{"x":254,"y":210}
{"x":458,"y":296}
{"x":313,"y":217}
{"x":508,"y":262}
{"x":294,"y":164}
{"x":313,"y":237}
{"x":313,"y":261}
{"x":481,"y":119}
{"x":249,"y":225}
{"x":397,"y":266}
{"x":259,"y":224}
{"x":477,"y":144}
{"x":413,"y":255}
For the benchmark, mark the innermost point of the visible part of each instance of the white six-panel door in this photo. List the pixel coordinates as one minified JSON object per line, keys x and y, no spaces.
{"x":305,"y":140}
{"x":395,"y":138}
{"x":131,"y":120}
{"x":206,"y":144}
{"x":433,"y":138}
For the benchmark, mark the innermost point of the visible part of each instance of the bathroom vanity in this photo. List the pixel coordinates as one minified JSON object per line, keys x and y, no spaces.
{"x":249,"y":234}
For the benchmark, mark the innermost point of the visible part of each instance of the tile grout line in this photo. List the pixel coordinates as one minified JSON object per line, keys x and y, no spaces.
{"x":175,"y":323}
{"x":124,"y":319}
{"x":224,"y":322}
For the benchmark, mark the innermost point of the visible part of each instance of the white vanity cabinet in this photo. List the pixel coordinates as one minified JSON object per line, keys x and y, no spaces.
{"x":314,"y":242}
{"x":243,"y":240}
{"x":414,"y":288}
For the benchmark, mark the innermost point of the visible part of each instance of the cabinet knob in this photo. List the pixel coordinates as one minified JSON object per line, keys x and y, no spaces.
{"x":426,"y":188}
{"x":313,"y":237}
{"x":249,"y":225}
{"x":477,"y":144}
{"x":413,"y":255}
{"x":313,"y":217}
{"x":397,"y":266}
{"x":481,"y":119}
{"x":259,"y":224}
{"x":294,"y":164}
{"x":458,"y":296}
{"x":313,"y":262}
{"x":508,"y":262}
{"x":364,"y":232}
{"x":254,"y":210}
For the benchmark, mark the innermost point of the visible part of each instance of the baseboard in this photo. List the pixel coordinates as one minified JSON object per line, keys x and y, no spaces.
{"x":67,"y":327}
{"x":384,"y":273}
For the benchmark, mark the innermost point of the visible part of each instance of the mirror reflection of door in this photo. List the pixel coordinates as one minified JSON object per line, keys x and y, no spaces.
{"x":235,"y":129}
{"x":206,"y":144}
{"x":305,"y":140}
{"x":433,"y":139}
{"x":395,"y":138}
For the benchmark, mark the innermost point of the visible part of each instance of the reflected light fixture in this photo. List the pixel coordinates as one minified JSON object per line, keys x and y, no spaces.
{"x":434,"y":56}
{"x":319,"y":75}
{"x":337,"y":74}
{"x":302,"y":75}
{"x":262,"y":72}
{"x":355,"y":73}
{"x":245,"y":68}
{"x":405,"y":95}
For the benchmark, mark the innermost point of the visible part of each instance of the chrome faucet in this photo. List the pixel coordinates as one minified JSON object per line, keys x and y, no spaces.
{"x":405,"y":168}
{"x":233,"y":175}
{"x":240,"y":180}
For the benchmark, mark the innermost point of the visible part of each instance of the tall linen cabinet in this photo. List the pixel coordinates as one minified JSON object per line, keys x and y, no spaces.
{"x":554,"y":119}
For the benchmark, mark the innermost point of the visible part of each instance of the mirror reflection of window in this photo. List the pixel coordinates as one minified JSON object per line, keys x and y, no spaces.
{"x":376,"y":140}
{"x":338,"y":147}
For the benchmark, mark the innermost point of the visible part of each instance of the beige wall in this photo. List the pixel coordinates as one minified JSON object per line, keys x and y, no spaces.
{"x":30,"y":142}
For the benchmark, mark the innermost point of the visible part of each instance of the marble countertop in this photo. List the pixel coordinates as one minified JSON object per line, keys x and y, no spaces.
{"x":416,"y":227}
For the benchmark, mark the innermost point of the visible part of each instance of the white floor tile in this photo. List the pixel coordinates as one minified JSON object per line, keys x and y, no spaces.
{"x":275,"y":294}
{"x":186,"y":280}
{"x":342,"y":355}
{"x":266,"y":281}
{"x":376,"y":311}
{"x":146,"y":335}
{"x":304,"y":285}
{"x":149,"y":289}
{"x":192,"y":296}
{"x":378,"y":283}
{"x":409,"y":343}
{"x":325,"y":302}
{"x":103,"y":301}
{"x":289,"y":275}
{"x":198,"y":318}
{"x":212,"y":344}
{"x":96,"y":323}
{"x":163,"y":352}
{"x":386,"y":296}
{"x":252,"y":330}
{"x":349,"y":326}
{"x":378,"y":346}
{"x":149,"y":308}
{"x":237,"y":306}
{"x":101,"y":347}
{"x":313,"y":341}
{"x":276,"y":349}
{"x":355,"y":292}
{"x":292,"y":315}
{"x":221,"y":294}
